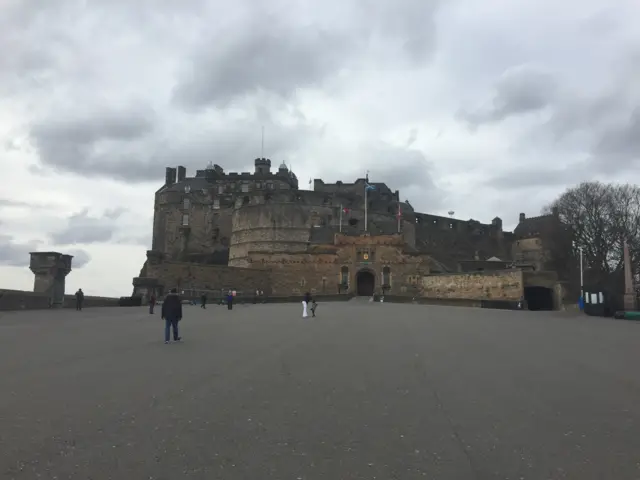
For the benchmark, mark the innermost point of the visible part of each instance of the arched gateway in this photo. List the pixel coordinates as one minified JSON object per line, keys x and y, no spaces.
{"x":365,"y":283}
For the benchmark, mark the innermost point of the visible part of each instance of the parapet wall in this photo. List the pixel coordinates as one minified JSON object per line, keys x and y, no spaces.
{"x":25,"y":300}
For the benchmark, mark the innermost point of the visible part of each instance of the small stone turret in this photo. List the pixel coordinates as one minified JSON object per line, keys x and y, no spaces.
{"x":50,"y":269}
{"x":263,"y":166}
{"x":170,"y":176}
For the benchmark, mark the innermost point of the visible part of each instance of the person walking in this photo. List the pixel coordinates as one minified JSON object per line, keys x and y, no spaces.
{"x":314,"y":305}
{"x":79,"y":299}
{"x":203,"y":301}
{"x":172,"y":314}
{"x":305,"y":304}
{"x":152,"y":303}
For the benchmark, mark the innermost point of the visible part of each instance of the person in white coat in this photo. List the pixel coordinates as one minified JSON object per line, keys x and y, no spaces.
{"x":305,"y":304}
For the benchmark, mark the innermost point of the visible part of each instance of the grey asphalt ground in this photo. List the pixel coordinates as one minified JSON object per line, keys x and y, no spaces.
{"x":363,"y":391}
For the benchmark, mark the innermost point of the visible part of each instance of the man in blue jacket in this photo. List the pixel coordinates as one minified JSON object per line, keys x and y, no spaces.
{"x":172,"y":314}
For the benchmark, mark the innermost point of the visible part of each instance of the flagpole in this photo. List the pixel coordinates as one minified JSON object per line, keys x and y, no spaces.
{"x":340,"y":218}
{"x":365,"y":207}
{"x":399,"y":218}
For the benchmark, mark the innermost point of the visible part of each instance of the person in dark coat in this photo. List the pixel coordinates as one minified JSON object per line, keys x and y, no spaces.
{"x":172,"y":314}
{"x":79,"y":299}
{"x":203,"y":301}
{"x":230,"y":300}
{"x":152,"y":303}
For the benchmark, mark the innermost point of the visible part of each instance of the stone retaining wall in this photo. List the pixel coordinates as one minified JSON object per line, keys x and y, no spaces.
{"x":25,"y":300}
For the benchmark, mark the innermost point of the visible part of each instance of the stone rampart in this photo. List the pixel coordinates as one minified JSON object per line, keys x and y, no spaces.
{"x":25,"y":300}
{"x":505,"y":285}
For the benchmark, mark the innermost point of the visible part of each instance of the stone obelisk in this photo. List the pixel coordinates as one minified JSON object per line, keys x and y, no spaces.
{"x":629,"y":292}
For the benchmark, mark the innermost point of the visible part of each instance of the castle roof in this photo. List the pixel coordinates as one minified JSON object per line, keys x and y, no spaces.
{"x":534,"y":226}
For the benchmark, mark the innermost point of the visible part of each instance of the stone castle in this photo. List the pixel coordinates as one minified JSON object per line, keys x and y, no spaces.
{"x":259,"y":231}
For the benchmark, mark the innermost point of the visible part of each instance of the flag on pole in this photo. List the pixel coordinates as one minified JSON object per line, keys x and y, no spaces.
{"x":367,"y":188}
{"x":399,"y":216}
{"x":344,"y":210}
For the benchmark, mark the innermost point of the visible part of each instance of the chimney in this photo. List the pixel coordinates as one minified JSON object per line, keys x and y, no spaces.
{"x":522,"y":217}
{"x":182,"y":173}
{"x":170,"y":176}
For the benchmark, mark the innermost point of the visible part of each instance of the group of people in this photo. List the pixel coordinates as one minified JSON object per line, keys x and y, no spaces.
{"x":308,"y":303}
{"x":172,"y":310}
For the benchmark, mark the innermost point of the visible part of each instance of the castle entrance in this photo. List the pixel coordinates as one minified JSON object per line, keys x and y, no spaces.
{"x":365,"y":283}
{"x":539,"y":298}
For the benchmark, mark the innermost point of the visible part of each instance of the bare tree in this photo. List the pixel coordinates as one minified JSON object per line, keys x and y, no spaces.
{"x":601,"y":217}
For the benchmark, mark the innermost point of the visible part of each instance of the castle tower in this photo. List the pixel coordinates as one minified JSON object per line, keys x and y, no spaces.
{"x":263,"y":166}
{"x":50,"y":269}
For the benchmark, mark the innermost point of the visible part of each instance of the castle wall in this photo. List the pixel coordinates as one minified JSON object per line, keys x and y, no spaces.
{"x":321,"y":269}
{"x":505,"y":285}
{"x":282,"y":227}
{"x":530,"y":251}
{"x":191,"y":276}
{"x":209,"y":229}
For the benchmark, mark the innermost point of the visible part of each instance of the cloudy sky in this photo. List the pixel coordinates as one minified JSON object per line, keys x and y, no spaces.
{"x":486,"y":108}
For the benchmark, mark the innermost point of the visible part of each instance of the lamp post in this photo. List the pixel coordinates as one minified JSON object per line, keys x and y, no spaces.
{"x":581,"y":271}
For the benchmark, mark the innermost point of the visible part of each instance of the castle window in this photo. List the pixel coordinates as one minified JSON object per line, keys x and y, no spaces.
{"x":386,"y":276}
{"x":270,"y":186}
{"x":344,"y":275}
{"x":220,"y":189}
{"x":216,"y":203}
{"x":246,"y":201}
{"x":245,"y":187}
{"x":259,"y":185}
{"x":185,"y":220}
{"x":417,"y":220}
{"x":451,"y":225}
{"x":186,"y":204}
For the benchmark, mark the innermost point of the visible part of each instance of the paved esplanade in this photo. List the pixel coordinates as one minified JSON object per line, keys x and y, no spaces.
{"x":363,"y":391}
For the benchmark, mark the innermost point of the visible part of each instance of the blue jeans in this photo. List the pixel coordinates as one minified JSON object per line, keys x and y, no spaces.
{"x":170,"y":323}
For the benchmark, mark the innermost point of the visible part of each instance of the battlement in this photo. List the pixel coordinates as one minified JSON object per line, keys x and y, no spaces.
{"x":176,"y":178}
{"x":355,"y":188}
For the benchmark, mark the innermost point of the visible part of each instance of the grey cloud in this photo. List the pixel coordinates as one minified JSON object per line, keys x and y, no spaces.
{"x":520,"y":90}
{"x":63,"y":132}
{"x":413,"y":136}
{"x":261,"y":57}
{"x":192,"y":143}
{"x":93,"y":143}
{"x":9,"y":203}
{"x":82,"y":228}
{"x":533,"y":178}
{"x":404,"y":169}
{"x":80,"y":258}
{"x":15,"y":254}
{"x":620,"y":144}
{"x":272,"y":50}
